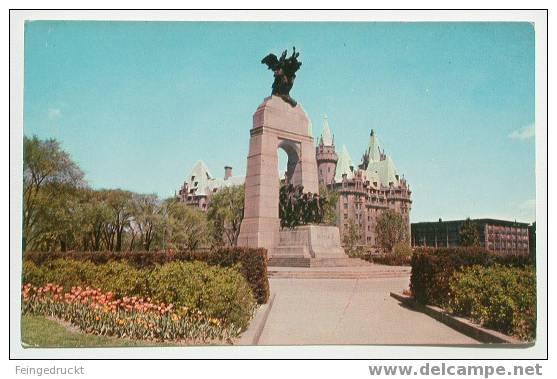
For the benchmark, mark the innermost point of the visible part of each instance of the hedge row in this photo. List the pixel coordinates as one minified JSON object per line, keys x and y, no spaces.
{"x":252,"y":263}
{"x":433,"y":268}
{"x":498,"y":297}
{"x":389,"y":259}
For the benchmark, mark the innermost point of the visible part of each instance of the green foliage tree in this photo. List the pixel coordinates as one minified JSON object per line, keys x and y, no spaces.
{"x":185,"y":226}
{"x":147,"y":218}
{"x":330,"y":212}
{"x":351,"y":237}
{"x":46,"y":169}
{"x":96,"y":217}
{"x":60,"y":212}
{"x":120,"y":204}
{"x":390,"y":230}
{"x":469,"y":234}
{"x":225,"y":214}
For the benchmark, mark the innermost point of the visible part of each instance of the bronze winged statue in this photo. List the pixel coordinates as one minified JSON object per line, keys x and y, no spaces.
{"x":284,"y":70}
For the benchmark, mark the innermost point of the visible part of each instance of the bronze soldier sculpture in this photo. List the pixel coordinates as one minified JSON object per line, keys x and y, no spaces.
{"x":285,"y":73}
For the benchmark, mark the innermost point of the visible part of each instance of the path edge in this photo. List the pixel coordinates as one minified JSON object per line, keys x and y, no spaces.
{"x":253,"y":333}
{"x":461,"y":324}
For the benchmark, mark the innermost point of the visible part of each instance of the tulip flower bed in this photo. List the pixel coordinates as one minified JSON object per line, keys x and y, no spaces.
{"x":101,"y":313}
{"x":217,"y":292}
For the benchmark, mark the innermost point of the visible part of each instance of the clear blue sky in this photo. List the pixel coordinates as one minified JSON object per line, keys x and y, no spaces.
{"x":137,"y":103}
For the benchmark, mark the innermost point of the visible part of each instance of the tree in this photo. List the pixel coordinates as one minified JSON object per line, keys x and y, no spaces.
{"x":185,"y":227}
{"x":532,"y":240}
{"x":46,"y":167}
{"x":390,"y":230}
{"x":96,"y":217}
{"x":469,"y":234}
{"x":225,"y":214}
{"x":351,"y":236}
{"x":65,"y":217}
{"x":120,"y":204}
{"x":147,"y":217}
{"x":330,"y":212}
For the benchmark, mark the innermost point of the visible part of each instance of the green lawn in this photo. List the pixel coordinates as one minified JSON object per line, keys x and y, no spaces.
{"x":38,"y":331}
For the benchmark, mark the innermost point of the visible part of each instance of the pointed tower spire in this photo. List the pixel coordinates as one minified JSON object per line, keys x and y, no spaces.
{"x":373,"y":150}
{"x":345,"y":166}
{"x":326,"y":135}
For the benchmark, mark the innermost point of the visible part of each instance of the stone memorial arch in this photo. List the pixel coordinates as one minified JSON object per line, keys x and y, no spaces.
{"x":276,"y":125}
{"x":281,"y":123}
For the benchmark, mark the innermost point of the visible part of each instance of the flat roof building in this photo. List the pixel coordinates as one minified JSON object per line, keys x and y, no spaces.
{"x":499,"y":236}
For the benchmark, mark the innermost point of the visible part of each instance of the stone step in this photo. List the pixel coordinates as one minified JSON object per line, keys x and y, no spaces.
{"x":289,"y":262}
{"x":336,"y":274}
{"x":338,"y":262}
{"x":297,"y":261}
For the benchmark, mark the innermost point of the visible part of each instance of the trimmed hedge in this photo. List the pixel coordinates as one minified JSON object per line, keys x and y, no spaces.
{"x":433,"y":268}
{"x":119,"y":278}
{"x":251,"y":263}
{"x":390,"y":259}
{"x":498,"y":297}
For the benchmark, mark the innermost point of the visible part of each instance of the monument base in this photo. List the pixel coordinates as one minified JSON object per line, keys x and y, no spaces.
{"x":309,"y":241}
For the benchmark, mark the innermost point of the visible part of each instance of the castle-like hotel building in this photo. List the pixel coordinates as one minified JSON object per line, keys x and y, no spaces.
{"x":365,"y":191}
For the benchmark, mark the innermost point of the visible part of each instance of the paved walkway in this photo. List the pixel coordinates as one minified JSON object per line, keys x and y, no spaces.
{"x":349,"y":311}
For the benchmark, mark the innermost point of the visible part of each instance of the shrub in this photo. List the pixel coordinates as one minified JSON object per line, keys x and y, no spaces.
{"x":120,"y":278}
{"x":390,"y":259}
{"x":218,"y":292}
{"x":69,"y":273}
{"x":432,"y":269}
{"x":31,"y":273}
{"x":403,"y":249}
{"x":117,"y":277}
{"x":252,"y":263}
{"x":401,"y":256}
{"x":498,"y":297}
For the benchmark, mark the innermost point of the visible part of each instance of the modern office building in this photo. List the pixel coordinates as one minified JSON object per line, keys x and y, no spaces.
{"x":496,"y":235}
